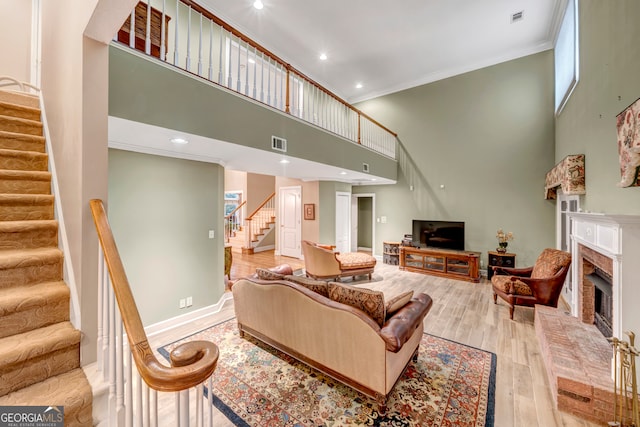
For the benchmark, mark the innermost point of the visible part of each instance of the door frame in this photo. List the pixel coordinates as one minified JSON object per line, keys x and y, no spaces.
{"x":354,"y":217}
{"x":562,"y":216}
{"x":298,"y":216}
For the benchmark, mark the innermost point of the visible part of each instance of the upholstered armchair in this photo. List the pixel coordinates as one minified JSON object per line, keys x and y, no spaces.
{"x":321,"y":262}
{"x":540,"y":284}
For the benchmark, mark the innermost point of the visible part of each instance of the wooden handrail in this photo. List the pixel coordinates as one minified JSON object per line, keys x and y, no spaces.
{"x":250,"y":217}
{"x":196,"y":7}
{"x":192,"y":362}
{"x":235,"y":210}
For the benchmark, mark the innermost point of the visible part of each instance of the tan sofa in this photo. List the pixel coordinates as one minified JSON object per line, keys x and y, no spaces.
{"x":321,"y":262}
{"x":333,"y":337}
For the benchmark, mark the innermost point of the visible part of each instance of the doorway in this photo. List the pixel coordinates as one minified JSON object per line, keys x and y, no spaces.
{"x":343,"y":221}
{"x":363,"y":222}
{"x":290,"y":219}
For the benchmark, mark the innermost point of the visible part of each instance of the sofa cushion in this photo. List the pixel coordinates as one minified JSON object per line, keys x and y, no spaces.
{"x":397,"y":302}
{"x":371,"y":302}
{"x":317,"y":286}
{"x":504,"y":283}
{"x":265,"y":274}
{"x":549,"y":263}
{"x":355,"y":260}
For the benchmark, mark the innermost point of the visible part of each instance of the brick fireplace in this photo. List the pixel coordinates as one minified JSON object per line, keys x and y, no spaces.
{"x":606,"y":273}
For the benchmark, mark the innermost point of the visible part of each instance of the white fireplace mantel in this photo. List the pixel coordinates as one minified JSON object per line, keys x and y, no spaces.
{"x":617,"y":237}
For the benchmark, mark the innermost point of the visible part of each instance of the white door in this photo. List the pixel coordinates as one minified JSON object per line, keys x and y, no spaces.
{"x":290,"y":221}
{"x":565,"y":205}
{"x":343,"y":221}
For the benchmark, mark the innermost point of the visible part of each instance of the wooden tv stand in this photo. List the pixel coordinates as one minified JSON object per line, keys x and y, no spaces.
{"x":460,"y":265}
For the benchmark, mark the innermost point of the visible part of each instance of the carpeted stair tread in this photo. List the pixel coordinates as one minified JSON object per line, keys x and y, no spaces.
{"x":22,"y":111}
{"x":19,"y":98}
{"x":25,"y":182}
{"x":16,"y":207}
{"x":18,"y":125}
{"x":23,"y":160}
{"x":21,"y":141}
{"x":71,"y":390}
{"x":18,"y":348}
{"x":28,"y":234}
{"x":24,"y":308}
{"x":12,"y":258}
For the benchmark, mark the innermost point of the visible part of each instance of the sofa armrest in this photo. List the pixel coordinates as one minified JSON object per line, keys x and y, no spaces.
{"x":400,"y":327}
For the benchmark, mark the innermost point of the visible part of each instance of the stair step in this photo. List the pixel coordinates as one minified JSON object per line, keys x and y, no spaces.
{"x":17,"y":207}
{"x":25,"y":308}
{"x":71,"y":390}
{"x":25,"y":182}
{"x":21,"y":111}
{"x":20,"y":98}
{"x":20,"y":141}
{"x":22,"y":267}
{"x":34,"y":356}
{"x":28,"y":234}
{"x":23,"y":160}
{"x":17,"y":125}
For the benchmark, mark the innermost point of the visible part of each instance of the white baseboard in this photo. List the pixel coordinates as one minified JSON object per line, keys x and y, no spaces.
{"x":363,"y":248}
{"x":168,"y":324}
{"x":264,"y":248}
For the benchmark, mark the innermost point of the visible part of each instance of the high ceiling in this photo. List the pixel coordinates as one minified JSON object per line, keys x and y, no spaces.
{"x":390,"y":46}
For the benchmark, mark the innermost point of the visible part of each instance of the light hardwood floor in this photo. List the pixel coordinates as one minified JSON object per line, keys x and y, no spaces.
{"x":462,"y":312}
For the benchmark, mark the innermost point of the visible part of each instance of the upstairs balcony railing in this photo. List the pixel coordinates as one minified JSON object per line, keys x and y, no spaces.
{"x":184,"y":34}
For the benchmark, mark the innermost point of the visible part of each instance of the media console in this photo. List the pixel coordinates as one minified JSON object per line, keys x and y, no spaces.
{"x":460,"y":265}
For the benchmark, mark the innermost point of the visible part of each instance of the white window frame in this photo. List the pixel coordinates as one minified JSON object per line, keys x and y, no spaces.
{"x":566,"y":56}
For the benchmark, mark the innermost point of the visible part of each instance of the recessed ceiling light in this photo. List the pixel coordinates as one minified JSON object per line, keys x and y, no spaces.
{"x":179,"y":141}
{"x":323,"y":57}
{"x":284,"y":161}
{"x":252,"y":61}
{"x":258,"y":4}
{"x":358,"y":85}
{"x":343,"y":173}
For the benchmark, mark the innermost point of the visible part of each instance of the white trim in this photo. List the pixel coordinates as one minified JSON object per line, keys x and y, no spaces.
{"x":165,"y":153}
{"x":174,"y":322}
{"x":264,"y":248}
{"x":36,"y":42}
{"x":373,"y":217}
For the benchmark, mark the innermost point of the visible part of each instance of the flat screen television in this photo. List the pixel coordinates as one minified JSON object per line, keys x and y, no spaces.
{"x":438,"y":234}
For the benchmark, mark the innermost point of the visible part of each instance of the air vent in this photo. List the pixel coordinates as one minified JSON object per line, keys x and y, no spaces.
{"x":518,"y":16}
{"x":365,"y":167}
{"x":278,"y":144}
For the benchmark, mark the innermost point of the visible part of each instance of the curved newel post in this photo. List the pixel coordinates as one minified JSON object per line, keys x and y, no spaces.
{"x":192,"y":363}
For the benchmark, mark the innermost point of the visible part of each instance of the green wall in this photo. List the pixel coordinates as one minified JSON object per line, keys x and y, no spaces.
{"x":327,"y":209}
{"x":161,"y":210}
{"x":474,"y":148}
{"x":365,"y":212}
{"x":609,"y":82}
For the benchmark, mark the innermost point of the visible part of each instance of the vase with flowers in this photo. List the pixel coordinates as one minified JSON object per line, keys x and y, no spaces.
{"x":503,"y":240}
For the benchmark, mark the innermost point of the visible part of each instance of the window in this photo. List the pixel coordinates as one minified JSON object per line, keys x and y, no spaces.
{"x":566,"y":56}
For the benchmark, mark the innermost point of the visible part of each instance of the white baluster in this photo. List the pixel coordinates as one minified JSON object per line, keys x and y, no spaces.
{"x":112,"y":359}
{"x":132,"y":30}
{"x":147,"y":37}
{"x":184,"y":407}
{"x":119,"y":370}
{"x":163,"y":29}
{"x":220,"y":64}
{"x":188,"y":63}
{"x":246,"y":73}
{"x":101,"y":302}
{"x":238,"y":82}
{"x":200,"y":49}
{"x":199,"y":408}
{"x":178,"y":408}
{"x":269,"y":81}
{"x":275,"y":84}
{"x":138,"y":405}
{"x":255,"y":71}
{"x":176,"y":57}
{"x":154,"y":408}
{"x":210,"y":50}
{"x":129,"y":390}
{"x":229,"y":61}
{"x":262,"y":79}
{"x":210,"y":399}
{"x":146,"y":397}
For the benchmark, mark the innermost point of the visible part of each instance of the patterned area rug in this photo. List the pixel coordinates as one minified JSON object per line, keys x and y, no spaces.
{"x":255,"y":385}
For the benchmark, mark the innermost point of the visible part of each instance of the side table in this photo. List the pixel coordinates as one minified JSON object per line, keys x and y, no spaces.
{"x":391,"y":253}
{"x":500,"y":259}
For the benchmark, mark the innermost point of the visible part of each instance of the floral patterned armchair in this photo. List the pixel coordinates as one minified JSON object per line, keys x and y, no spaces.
{"x":540,"y":284}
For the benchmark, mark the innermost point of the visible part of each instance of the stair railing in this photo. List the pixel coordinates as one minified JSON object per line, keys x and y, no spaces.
{"x":233,"y":222}
{"x":205,"y":45}
{"x":68,"y":273}
{"x":192,"y":363}
{"x":256,"y":223}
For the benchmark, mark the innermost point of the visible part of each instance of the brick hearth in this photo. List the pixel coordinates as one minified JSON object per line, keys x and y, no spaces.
{"x":577,"y":359}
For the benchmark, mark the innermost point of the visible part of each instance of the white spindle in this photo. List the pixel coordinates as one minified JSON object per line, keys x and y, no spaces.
{"x":188,"y":63}
{"x":112,"y":359}
{"x":132,"y":30}
{"x":129,"y":390}
{"x":229,"y":62}
{"x":276,"y":102}
{"x":210,"y":50}
{"x":184,"y":408}
{"x":246,"y":72}
{"x":101,"y":301}
{"x":176,"y":56}
{"x":146,"y":398}
{"x":119,"y":370}
{"x":238,"y":82}
{"x":269,"y":80}
{"x":210,"y":398}
{"x":147,"y":36}
{"x":262,"y":79}
{"x":220,"y":62}
{"x":200,"y":49}
{"x":255,"y":71}
{"x":163,"y":29}
{"x":154,"y":408}
{"x":199,"y":399}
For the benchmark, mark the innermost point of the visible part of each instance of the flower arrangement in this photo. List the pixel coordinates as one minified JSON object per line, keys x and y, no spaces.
{"x":504,"y":237}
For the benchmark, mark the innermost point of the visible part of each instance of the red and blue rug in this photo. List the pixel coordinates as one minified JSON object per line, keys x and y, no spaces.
{"x":255,"y":385}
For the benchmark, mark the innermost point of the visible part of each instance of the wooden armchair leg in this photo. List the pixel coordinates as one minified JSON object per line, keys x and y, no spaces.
{"x":495,"y":298}
{"x":511,"y":307}
{"x":382,"y":403}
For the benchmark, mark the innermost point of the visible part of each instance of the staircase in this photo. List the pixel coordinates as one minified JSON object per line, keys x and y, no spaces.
{"x":39,"y":347}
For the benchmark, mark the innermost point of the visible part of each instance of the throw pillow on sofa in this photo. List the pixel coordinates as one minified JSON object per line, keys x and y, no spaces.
{"x":264,"y":274}
{"x":371,"y":302}
{"x":317,"y":286}
{"x":397,"y":302}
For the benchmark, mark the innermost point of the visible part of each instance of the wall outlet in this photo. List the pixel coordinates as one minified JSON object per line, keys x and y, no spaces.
{"x":189,"y":301}
{"x":182,"y":303}
{"x":383,"y":219}
{"x":212,"y":234}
